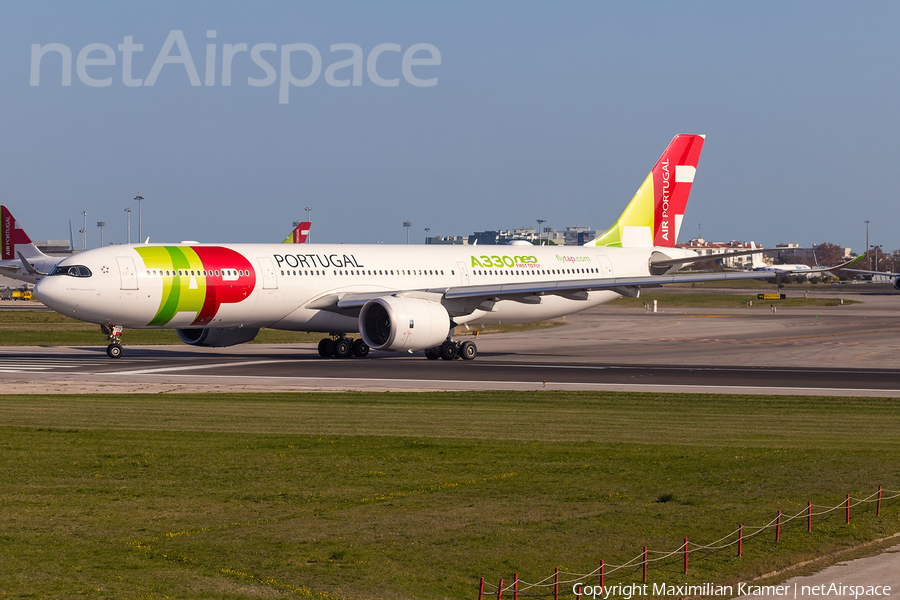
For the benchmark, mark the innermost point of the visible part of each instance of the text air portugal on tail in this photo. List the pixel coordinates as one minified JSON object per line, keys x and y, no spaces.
{"x":397,"y":300}
{"x":654,"y":215}
{"x":20,"y":259}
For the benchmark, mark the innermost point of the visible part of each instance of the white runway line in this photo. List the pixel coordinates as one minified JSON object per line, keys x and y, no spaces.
{"x":451,"y":384}
{"x":192,"y":368}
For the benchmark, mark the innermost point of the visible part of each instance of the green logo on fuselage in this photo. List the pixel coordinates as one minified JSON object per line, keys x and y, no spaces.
{"x":502,"y":262}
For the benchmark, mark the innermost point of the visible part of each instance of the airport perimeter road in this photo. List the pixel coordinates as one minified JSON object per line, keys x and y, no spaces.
{"x":846,"y":350}
{"x":868,"y":576}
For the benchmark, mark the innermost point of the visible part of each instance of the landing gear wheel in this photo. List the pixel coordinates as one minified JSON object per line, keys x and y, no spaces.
{"x":360,"y":349}
{"x":448,"y":350}
{"x":433,"y":353}
{"x":468,"y":351}
{"x":342,"y":348}
{"x":326,"y":348}
{"x":114,"y":350}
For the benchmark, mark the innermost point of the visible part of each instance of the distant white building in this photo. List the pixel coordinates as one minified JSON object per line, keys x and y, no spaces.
{"x":455,"y":240}
{"x":711,"y":249}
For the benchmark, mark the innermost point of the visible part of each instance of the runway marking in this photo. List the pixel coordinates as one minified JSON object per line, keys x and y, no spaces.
{"x":430,"y":383}
{"x":194,"y":367}
{"x":862,"y":356}
{"x":30,"y":365}
{"x":684,"y":368}
{"x":795,"y":341}
{"x":807,"y":337}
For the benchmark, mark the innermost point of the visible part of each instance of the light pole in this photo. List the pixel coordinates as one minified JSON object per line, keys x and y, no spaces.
{"x":308,"y":210}
{"x":128,"y":217}
{"x":867,"y":243}
{"x":138,"y":198}
{"x":427,"y":229}
{"x":540,"y":222}
{"x":407,"y":224}
{"x":101,"y":225}
{"x":83,"y":230}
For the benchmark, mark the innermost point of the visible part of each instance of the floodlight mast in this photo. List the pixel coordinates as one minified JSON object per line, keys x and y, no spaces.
{"x":407,"y":224}
{"x":101,"y":225}
{"x":138,"y":199}
{"x":83,"y":230}
{"x":540,"y":222}
{"x":308,"y":210}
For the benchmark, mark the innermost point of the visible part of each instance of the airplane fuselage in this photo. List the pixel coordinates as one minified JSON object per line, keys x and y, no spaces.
{"x":282,"y":287}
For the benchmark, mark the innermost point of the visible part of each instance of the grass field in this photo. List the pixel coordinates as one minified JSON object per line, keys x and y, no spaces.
{"x":42,"y":328}
{"x":418,"y":495}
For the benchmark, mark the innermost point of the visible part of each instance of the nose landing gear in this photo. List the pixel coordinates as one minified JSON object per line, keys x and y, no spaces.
{"x":114,"y":336}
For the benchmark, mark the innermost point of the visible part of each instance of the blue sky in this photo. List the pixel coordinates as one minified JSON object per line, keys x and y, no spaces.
{"x":541,"y":111}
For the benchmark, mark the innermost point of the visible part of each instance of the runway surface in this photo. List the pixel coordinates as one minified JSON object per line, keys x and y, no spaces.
{"x":845,"y":350}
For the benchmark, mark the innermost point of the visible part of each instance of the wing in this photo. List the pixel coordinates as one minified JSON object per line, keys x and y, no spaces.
{"x":467,"y":298}
{"x":828,"y":269}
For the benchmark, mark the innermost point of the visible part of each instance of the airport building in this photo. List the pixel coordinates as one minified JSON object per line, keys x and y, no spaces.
{"x":713,"y":248}
{"x":575,"y":235}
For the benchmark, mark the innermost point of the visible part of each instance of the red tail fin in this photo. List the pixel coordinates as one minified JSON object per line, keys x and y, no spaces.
{"x":301,"y":232}
{"x":11,"y":235}
{"x":653,"y":217}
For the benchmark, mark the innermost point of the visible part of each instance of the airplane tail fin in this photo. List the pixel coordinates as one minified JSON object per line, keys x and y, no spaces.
{"x":14,"y":240}
{"x":654,"y":215}
{"x":299,"y":234}
{"x":756,"y":260}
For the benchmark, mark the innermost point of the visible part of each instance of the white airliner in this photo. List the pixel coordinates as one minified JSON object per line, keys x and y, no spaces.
{"x":894,"y":277}
{"x":399,"y":298}
{"x":758,"y":264}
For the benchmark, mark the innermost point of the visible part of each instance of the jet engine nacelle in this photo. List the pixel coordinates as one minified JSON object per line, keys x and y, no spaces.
{"x":216,"y":336}
{"x":896,"y":283}
{"x":400,"y":324}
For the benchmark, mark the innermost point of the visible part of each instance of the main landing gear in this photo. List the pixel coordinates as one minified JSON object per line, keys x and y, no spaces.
{"x":450,"y":350}
{"x":114,"y":336}
{"x":340,"y":346}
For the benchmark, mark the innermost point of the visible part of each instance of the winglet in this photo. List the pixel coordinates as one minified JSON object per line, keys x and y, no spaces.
{"x":28,"y":267}
{"x":654,"y":215}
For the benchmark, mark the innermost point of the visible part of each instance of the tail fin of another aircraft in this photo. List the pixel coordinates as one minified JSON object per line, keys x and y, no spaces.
{"x":14,"y":240}
{"x":653,"y":217}
{"x":756,"y":260}
{"x":299,"y":234}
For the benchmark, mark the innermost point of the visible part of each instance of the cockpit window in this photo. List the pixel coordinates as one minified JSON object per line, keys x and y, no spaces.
{"x":71,"y":271}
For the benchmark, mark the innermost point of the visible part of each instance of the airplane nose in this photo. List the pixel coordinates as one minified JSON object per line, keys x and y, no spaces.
{"x":49,"y":292}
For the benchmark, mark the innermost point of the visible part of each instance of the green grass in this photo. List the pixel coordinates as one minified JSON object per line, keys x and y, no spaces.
{"x":706,"y":300}
{"x":418,"y":495}
{"x":43,"y":328}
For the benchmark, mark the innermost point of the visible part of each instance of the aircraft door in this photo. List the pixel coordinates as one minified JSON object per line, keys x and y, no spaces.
{"x":267,"y":268}
{"x":463,"y":273}
{"x":606,"y":269}
{"x":127,"y":273}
